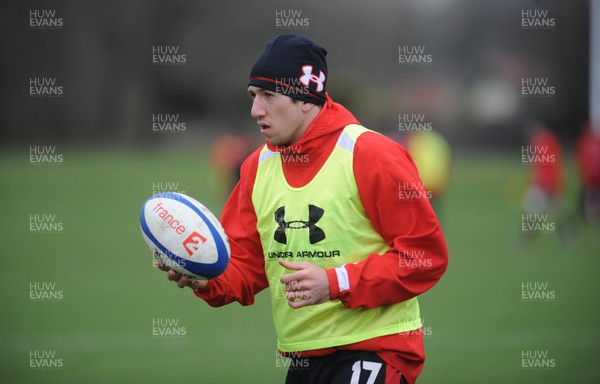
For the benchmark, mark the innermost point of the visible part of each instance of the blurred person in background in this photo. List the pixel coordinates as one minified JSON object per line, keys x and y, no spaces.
{"x":227,"y":153}
{"x":546,"y":176}
{"x":587,"y":155}
{"x":431,"y":154}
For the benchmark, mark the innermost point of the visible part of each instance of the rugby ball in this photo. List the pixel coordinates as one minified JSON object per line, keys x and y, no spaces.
{"x":184,"y":235}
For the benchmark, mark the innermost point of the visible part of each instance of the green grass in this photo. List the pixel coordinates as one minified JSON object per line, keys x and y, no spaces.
{"x":102,"y":328}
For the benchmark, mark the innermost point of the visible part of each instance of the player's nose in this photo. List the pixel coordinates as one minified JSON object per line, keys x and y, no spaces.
{"x":257,"y":111}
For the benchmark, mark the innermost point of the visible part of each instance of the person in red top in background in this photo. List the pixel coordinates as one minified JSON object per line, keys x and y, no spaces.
{"x":313,"y":122}
{"x":547,"y":175}
{"x":227,"y":153}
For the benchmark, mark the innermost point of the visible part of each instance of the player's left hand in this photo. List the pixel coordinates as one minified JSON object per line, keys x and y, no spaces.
{"x":308,"y":286}
{"x":181,"y":280}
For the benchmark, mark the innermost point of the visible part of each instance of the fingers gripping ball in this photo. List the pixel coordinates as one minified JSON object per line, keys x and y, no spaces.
{"x":184,"y":235}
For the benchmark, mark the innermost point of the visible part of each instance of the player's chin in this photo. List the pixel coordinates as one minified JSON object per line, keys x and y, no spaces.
{"x":273,"y":141}
{"x":277,"y":141}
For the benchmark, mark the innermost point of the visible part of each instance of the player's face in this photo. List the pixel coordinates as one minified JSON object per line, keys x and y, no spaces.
{"x":280,"y":119}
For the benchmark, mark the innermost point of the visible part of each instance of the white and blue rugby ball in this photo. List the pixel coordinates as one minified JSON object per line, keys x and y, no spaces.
{"x":184,"y":235}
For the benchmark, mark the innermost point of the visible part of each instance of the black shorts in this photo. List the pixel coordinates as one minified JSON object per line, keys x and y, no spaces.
{"x":343,"y":367}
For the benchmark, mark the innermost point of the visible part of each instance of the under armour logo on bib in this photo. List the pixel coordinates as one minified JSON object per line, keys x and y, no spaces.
{"x":315,"y":234}
{"x":309,"y":77}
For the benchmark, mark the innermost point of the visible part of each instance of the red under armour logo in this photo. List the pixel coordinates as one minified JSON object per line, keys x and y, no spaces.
{"x":308,"y":77}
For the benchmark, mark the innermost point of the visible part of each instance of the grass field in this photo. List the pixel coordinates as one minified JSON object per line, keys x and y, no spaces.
{"x":101,"y":330}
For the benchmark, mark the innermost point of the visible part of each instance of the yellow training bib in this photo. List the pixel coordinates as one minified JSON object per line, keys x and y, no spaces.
{"x":324,"y":223}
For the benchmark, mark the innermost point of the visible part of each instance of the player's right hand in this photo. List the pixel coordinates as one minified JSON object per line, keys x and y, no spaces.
{"x":180,"y":280}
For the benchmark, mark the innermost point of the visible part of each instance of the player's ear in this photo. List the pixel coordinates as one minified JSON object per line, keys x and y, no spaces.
{"x":306,"y":106}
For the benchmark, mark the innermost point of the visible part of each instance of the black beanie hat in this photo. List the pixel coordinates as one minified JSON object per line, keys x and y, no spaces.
{"x":294,"y":66}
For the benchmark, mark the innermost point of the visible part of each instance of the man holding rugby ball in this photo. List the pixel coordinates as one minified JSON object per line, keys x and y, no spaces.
{"x":318,"y":217}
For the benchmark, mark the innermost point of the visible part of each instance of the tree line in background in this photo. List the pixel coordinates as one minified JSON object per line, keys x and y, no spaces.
{"x":462,"y":68}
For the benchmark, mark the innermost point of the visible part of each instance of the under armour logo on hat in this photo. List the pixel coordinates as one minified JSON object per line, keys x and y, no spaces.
{"x":308,"y":77}
{"x":290,"y":60}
